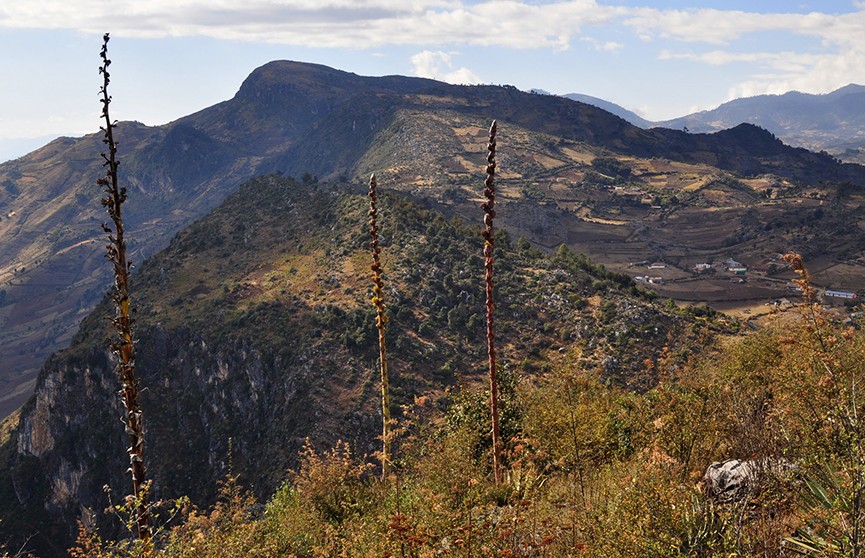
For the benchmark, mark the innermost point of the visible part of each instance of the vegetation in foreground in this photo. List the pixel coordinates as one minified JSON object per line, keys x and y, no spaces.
{"x":591,"y":469}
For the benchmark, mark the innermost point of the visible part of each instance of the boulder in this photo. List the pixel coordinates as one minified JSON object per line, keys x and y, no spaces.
{"x":732,"y":479}
{"x":729,"y":480}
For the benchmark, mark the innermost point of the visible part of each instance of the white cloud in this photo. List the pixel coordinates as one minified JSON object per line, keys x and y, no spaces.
{"x":787,"y":61}
{"x":641,"y":110}
{"x":373,"y":23}
{"x":721,"y":27}
{"x":839,"y":61}
{"x":605,"y":46}
{"x":774,"y":73}
{"x":822,"y":75}
{"x":438,"y":26}
{"x":438,"y":65}
{"x":325,"y":23}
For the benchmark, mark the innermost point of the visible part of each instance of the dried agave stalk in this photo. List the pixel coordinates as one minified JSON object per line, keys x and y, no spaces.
{"x":797,"y":264}
{"x":380,"y":322}
{"x":489,"y":213}
{"x":123,"y":345}
{"x":816,"y":318}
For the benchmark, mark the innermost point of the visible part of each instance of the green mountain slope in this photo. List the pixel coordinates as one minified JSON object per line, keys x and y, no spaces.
{"x":256,"y":331}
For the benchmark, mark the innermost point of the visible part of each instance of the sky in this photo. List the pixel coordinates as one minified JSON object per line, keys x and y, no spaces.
{"x":661,"y":59}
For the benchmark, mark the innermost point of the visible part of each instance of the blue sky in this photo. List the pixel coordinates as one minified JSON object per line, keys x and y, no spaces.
{"x":172,"y":57}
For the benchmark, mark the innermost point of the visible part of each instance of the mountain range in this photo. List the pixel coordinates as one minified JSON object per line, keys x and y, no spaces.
{"x":832,"y":122}
{"x":613,"y":108}
{"x":252,"y":300}
{"x":298,"y":118}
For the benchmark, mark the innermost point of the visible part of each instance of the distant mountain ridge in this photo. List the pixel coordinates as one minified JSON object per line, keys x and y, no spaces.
{"x":833,"y":121}
{"x":612,"y":108}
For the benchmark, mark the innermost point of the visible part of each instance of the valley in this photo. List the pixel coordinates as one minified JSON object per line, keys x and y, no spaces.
{"x":630,"y":213}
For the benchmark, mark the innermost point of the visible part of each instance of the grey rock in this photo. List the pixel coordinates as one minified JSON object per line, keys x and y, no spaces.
{"x":729,"y":480}
{"x":733,"y":479}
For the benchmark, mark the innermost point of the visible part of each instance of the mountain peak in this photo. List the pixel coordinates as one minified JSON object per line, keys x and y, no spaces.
{"x":280,"y":73}
{"x":320,"y":80}
{"x":849,"y":89}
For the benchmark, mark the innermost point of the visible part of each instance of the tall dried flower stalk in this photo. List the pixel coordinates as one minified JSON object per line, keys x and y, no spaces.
{"x":123,"y":344}
{"x":380,"y":322}
{"x":815,"y":316}
{"x":489,"y":213}
{"x":797,"y":264}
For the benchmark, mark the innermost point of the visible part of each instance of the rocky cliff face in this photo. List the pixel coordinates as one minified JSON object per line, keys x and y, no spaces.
{"x":200,"y":398}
